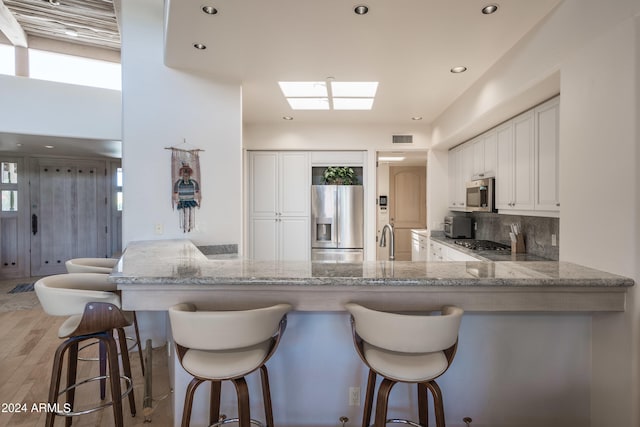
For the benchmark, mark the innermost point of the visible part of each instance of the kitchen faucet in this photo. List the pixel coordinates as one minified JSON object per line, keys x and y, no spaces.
{"x":383,"y":241}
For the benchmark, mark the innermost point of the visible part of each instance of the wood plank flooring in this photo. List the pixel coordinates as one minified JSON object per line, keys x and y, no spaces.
{"x":28,"y":341}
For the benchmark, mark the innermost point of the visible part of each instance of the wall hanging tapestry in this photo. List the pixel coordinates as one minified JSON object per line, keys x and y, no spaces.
{"x":185,"y":176}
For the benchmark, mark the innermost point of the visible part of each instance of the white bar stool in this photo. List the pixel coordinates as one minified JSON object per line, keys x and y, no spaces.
{"x":218,"y":346}
{"x":408,"y":347}
{"x":105,"y":266}
{"x":94,"y":314}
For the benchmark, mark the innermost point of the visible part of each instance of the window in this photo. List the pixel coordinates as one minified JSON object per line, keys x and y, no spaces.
{"x":119,"y":189}
{"x":9,"y":185}
{"x":7,"y":60}
{"x":62,"y":68}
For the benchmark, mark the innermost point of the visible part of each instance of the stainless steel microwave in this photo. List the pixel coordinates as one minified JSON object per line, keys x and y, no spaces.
{"x":481,"y":195}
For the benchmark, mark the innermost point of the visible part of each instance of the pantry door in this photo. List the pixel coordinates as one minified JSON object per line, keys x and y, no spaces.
{"x":68,"y":213}
{"x":407,"y":205}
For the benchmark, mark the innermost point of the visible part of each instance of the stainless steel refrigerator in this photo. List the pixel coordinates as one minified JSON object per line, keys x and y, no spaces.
{"x":337,"y":223}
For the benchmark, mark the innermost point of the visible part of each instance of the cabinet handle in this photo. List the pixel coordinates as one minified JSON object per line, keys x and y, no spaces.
{"x":34,"y":224}
{"x":558,"y":204}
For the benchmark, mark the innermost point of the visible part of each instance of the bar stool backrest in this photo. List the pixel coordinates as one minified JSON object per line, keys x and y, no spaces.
{"x":224,"y":330}
{"x":407,"y":332}
{"x":68,"y":294}
{"x":90,"y":265}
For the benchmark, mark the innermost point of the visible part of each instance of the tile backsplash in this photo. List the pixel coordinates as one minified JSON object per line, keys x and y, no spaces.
{"x":537,"y":231}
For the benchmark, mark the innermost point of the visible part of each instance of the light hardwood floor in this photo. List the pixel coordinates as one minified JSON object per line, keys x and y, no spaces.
{"x":28,"y":341}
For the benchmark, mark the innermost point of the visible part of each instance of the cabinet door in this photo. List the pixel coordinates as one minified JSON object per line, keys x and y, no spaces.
{"x":295,"y":184}
{"x":264,"y":184}
{"x":477,"y":149}
{"x":490,"y":153}
{"x":294,"y":240}
{"x":547,"y":165}
{"x":453,"y":177}
{"x":523,"y":155}
{"x":264,"y":239}
{"x":504,"y":167}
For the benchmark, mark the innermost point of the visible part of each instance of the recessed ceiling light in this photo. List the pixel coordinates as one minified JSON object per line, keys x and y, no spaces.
{"x":361,"y":10}
{"x":459,"y":69}
{"x":49,"y":146}
{"x":209,"y":10}
{"x":199,"y":46}
{"x":287,"y":118}
{"x":416,"y":118}
{"x":489,"y":9}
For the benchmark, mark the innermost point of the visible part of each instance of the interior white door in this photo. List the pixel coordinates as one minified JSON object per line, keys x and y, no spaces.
{"x":68,"y":213}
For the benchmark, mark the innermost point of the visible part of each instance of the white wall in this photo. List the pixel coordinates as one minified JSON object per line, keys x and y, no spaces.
{"x":590,"y":55}
{"x":39,"y":107}
{"x":161,"y":106}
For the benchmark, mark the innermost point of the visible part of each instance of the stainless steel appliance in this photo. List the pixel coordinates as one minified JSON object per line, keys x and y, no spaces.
{"x":480,"y":195}
{"x":457,"y":227}
{"x":337,"y":223}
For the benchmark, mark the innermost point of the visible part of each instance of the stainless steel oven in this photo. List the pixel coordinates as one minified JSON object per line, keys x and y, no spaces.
{"x":480,"y":195}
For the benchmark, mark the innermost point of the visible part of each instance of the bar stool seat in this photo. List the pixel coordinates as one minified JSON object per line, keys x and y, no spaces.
{"x":404,"y":347}
{"x":216,"y":346}
{"x":105,"y":266}
{"x":92,"y":314}
{"x":90,"y":265}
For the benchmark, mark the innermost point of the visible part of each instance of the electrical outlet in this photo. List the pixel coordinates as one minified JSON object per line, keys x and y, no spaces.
{"x":554,"y":240}
{"x":159,"y":228}
{"x":354,"y":396}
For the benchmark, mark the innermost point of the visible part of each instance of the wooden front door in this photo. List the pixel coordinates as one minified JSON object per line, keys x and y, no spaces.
{"x":69,"y":212}
{"x":407,"y":205}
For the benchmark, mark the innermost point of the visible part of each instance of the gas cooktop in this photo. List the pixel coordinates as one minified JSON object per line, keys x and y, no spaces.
{"x":482,"y":245}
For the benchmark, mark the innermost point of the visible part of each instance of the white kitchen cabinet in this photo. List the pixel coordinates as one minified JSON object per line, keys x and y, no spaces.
{"x":419,"y":246}
{"x":279,"y":203}
{"x":547,"y":166}
{"x":484,"y":155}
{"x":441,"y":252}
{"x":460,"y":171}
{"x":515,"y":164}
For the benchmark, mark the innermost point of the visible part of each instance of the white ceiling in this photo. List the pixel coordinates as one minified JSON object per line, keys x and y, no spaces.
{"x":408,"y":46}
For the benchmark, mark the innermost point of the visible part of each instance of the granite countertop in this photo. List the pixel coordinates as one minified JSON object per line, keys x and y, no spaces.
{"x":154,"y":275}
{"x":179,"y":262}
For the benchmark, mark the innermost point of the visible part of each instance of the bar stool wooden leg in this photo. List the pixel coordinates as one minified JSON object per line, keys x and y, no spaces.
{"x":72,"y":370}
{"x":102,"y":359}
{"x":126,"y":368}
{"x":266,"y":396}
{"x":437,"y":402}
{"x":383,"y":399}
{"x":55,"y":382}
{"x":114,"y":377}
{"x":188,"y":401}
{"x":214,"y":402}
{"x":423,"y":405}
{"x":135,"y":326}
{"x":244,"y":413}
{"x":368,"y":399}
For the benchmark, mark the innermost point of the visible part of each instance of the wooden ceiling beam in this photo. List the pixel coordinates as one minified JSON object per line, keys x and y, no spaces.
{"x":11,"y":27}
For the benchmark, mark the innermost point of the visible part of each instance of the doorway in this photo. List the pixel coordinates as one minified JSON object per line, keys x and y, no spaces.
{"x":401,"y":177}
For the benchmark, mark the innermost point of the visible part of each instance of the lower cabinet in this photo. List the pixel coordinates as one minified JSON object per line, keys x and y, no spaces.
{"x":439,"y":252}
{"x":280,"y":238}
{"x":419,"y":247}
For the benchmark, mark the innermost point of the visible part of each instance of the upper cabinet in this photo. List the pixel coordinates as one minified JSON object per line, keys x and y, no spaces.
{"x":522,"y":155}
{"x":547,"y":192}
{"x":515,"y":178}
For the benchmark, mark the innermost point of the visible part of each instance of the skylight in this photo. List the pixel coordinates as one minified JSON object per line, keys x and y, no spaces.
{"x":329,"y":96}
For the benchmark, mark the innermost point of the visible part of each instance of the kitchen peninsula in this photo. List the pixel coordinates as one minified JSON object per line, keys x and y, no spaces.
{"x":153,"y":275}
{"x":524,"y":320}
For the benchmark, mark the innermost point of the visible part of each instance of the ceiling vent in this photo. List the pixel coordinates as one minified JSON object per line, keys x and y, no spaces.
{"x":402,"y":139}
